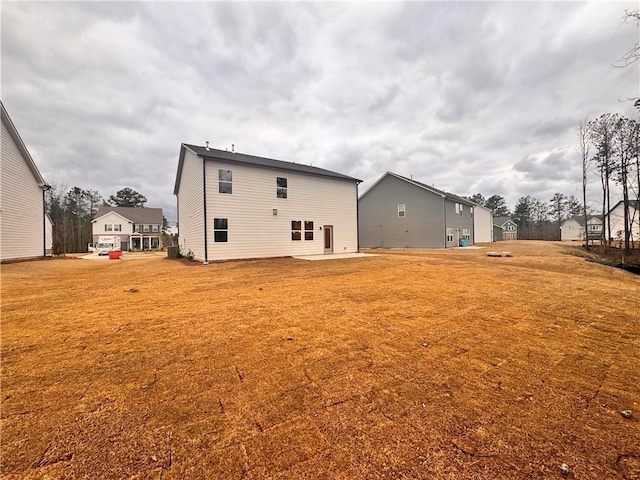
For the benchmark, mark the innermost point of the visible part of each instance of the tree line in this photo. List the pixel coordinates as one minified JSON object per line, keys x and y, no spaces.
{"x":536,"y":219}
{"x":72,"y":210}
{"x":609,"y":146}
{"x":609,"y":149}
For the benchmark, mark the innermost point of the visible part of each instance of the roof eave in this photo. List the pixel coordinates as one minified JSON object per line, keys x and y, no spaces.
{"x":215,"y":156}
{"x":13,"y":131}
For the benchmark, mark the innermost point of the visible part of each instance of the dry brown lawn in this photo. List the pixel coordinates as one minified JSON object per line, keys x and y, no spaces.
{"x":412,"y":364}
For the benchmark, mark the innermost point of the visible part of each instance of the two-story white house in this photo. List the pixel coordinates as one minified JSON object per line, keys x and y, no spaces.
{"x":139,"y":228}
{"x":25,"y":229}
{"x":573,"y":228}
{"x":615,"y":217}
{"x":232,"y":205}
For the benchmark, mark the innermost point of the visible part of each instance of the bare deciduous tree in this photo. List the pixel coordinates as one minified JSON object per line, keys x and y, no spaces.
{"x":583,"y":150}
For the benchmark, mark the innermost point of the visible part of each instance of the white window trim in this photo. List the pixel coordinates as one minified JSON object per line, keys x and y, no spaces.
{"x":230,"y":182}
{"x":402,"y":208}
{"x":285,"y":190}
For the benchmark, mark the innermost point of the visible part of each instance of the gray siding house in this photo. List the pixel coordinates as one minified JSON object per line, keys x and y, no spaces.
{"x":507,"y":229}
{"x":399,"y":212}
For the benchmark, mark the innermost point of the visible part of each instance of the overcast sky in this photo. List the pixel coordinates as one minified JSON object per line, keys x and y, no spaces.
{"x":468,"y":97}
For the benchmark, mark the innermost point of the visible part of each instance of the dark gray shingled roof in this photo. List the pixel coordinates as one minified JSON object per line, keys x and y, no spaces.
{"x":500,"y":221}
{"x":258,"y":162}
{"x":448,"y":195}
{"x":135,"y":214}
{"x":580,"y":218}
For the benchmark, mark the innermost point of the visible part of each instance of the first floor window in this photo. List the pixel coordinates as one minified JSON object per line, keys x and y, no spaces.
{"x":308,"y":230}
{"x":449,"y":234}
{"x":220,"y":230}
{"x":402,"y":210}
{"x":296,"y":230}
{"x":466,"y":233}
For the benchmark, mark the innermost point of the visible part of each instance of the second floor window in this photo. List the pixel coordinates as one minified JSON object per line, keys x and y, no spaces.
{"x":281,"y":189}
{"x":225,"y":181}
{"x":402,"y":210}
{"x":459,"y":209}
{"x":112,"y":227}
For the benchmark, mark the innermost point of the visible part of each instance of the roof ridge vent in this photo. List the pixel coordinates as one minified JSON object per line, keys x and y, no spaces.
{"x":207,"y":147}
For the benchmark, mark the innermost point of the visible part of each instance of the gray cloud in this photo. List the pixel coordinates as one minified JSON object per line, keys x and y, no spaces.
{"x":471,"y":97}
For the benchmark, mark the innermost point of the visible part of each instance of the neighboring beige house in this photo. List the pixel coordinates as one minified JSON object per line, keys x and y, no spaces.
{"x":505,"y":226}
{"x":25,"y":229}
{"x":232,"y":205}
{"x":573,"y":228}
{"x":482,"y":224}
{"x":617,"y":220}
{"x":139,"y":228}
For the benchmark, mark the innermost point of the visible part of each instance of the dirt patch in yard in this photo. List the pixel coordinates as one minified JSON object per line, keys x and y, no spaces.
{"x":440,"y":364}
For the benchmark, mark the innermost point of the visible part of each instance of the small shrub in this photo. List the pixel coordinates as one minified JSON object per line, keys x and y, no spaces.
{"x":189,"y":255}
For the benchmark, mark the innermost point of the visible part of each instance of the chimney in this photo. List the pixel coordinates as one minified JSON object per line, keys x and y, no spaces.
{"x":207,"y":147}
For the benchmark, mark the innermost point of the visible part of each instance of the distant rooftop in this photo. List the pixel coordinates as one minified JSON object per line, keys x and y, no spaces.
{"x":137,"y":215}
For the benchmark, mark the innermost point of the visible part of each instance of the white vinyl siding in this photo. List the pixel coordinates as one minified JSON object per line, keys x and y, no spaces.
{"x":482,"y":225}
{"x":21,"y":208}
{"x":190,"y":205}
{"x":571,"y":230}
{"x":617,"y":223}
{"x":254,"y":231}
{"x":104,"y":225}
{"x":48,"y":235}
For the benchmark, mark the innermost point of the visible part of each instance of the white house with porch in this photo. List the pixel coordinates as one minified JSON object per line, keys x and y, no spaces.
{"x":139,"y":228}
